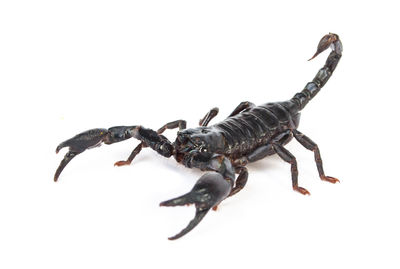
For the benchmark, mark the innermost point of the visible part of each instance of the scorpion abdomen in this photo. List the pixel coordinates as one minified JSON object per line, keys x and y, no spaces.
{"x":256,"y":126}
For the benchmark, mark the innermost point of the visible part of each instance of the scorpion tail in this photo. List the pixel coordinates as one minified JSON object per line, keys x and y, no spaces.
{"x":323,"y":75}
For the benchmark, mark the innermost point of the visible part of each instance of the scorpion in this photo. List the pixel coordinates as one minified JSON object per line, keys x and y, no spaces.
{"x":248,"y":134}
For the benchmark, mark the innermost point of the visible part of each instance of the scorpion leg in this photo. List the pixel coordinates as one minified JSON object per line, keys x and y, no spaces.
{"x":288,"y":157}
{"x":209,"y":190}
{"x":132,"y":156}
{"x":95,"y":137}
{"x":258,"y":154}
{"x":171,"y":125}
{"x":267,"y":149}
{"x":242,"y":106}
{"x":310,"y":145}
{"x":209,"y":116}
{"x":241,"y":180}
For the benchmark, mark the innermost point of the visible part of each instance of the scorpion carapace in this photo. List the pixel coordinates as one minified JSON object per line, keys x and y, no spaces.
{"x":248,"y":134}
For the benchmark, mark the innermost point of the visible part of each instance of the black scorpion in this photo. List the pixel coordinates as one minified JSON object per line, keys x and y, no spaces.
{"x":250,"y":133}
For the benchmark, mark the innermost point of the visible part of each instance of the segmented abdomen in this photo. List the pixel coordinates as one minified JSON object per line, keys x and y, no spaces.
{"x":254,"y":127}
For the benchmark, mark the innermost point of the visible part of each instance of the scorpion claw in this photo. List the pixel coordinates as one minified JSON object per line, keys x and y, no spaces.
{"x":207,"y":193}
{"x":59,"y":147}
{"x":67,"y":158}
{"x":90,"y":139}
{"x":193,"y":223}
{"x":330,"y":179}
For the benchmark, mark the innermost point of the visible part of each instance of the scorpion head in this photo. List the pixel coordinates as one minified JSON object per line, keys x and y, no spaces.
{"x":203,"y":140}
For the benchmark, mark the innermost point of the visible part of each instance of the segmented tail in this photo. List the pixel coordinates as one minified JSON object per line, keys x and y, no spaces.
{"x":323,"y":75}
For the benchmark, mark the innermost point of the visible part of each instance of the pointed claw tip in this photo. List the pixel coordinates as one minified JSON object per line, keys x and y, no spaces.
{"x":193,"y":223}
{"x":172,"y":203}
{"x":185,"y":199}
{"x":167,"y":203}
{"x":172,"y":238}
{"x":315,"y":55}
{"x":59,"y":147}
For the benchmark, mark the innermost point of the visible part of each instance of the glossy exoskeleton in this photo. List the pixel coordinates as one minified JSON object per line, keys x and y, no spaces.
{"x":250,"y":133}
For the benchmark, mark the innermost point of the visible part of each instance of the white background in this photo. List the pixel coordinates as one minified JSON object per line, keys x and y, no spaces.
{"x":68,"y":66}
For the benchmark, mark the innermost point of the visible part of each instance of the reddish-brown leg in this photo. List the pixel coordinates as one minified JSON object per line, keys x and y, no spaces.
{"x":131,"y":157}
{"x":310,"y":145}
{"x":288,"y":157}
{"x":330,"y":179}
{"x":241,"y":180}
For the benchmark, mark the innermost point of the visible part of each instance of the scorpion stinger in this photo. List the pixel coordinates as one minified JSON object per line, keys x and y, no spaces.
{"x":327,"y":41}
{"x":250,"y":133}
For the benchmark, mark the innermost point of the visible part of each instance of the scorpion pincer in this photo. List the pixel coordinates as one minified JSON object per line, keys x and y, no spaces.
{"x":248,"y":134}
